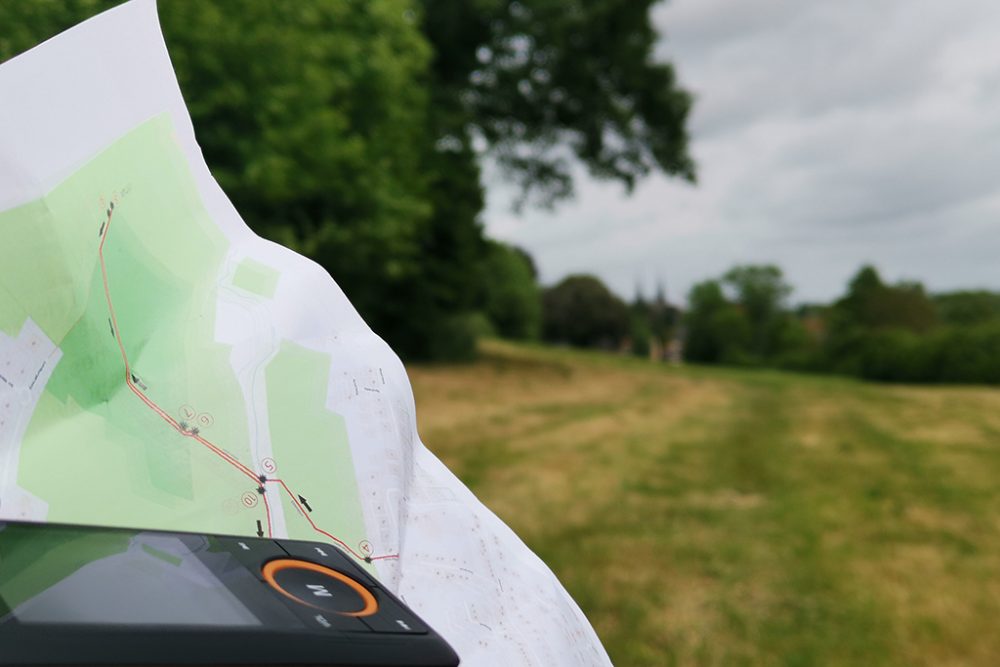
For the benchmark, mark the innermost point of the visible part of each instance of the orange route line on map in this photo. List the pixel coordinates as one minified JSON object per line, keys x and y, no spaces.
{"x":221,"y":453}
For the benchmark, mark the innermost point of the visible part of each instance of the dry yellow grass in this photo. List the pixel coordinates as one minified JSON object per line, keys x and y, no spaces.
{"x":723,"y":517}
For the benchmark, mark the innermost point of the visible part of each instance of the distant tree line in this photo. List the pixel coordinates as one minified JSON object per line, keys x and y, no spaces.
{"x":352,"y":131}
{"x":581,"y":311}
{"x":876,"y":330}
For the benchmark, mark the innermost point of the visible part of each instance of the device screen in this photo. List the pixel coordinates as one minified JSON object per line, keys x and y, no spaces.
{"x":70,"y":576}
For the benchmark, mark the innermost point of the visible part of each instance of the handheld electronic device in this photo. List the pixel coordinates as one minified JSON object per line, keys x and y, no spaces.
{"x":76,"y":595}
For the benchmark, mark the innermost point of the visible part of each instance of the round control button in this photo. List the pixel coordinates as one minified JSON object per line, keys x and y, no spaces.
{"x":319,"y":587}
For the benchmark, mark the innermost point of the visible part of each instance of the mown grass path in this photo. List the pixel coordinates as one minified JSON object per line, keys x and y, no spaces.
{"x":719,"y":517}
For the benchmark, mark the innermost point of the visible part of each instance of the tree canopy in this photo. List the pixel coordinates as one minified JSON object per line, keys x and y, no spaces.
{"x":741,"y":317}
{"x":580,"y":310}
{"x":968,"y":307}
{"x":511,"y":299}
{"x":871,"y":303}
{"x":535,"y":77}
{"x":761,"y":292}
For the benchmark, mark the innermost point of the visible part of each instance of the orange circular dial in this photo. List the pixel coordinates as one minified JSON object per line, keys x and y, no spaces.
{"x":298,"y":578}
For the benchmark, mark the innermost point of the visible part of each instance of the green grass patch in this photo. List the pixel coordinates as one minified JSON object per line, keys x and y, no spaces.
{"x":705,"y":516}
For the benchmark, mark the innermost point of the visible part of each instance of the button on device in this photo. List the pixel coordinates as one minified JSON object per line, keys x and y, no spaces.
{"x":324,"y":620}
{"x":327,"y":555}
{"x":393,"y":618}
{"x":319,"y":587}
{"x":251,"y":552}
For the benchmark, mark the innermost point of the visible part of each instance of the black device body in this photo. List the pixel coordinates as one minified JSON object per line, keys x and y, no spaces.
{"x":76,"y":595}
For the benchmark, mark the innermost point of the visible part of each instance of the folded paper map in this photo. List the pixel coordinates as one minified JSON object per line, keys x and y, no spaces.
{"x":163,"y":367}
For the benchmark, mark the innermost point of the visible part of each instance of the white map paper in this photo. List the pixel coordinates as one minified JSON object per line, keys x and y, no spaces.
{"x":163,"y":367}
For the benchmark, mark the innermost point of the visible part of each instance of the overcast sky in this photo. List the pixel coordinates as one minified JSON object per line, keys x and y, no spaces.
{"x":827,"y":135}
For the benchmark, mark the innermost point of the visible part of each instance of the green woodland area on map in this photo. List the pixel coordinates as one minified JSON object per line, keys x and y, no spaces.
{"x":255,"y":277}
{"x":94,"y":451}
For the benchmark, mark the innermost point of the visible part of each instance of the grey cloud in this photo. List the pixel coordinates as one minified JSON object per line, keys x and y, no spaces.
{"x":827,"y":135}
{"x":872,"y":171}
{"x":821,"y":57}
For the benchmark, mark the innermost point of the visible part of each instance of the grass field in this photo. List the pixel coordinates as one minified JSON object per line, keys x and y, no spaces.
{"x":723,"y":517}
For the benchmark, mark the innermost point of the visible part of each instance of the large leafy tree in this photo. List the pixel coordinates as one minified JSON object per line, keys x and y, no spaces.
{"x":536,"y":84}
{"x":872,"y":304}
{"x":542,"y":81}
{"x":580,"y":310}
{"x":511,"y":298}
{"x":716,"y":330}
{"x":761,"y":292}
{"x":742,"y":318}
